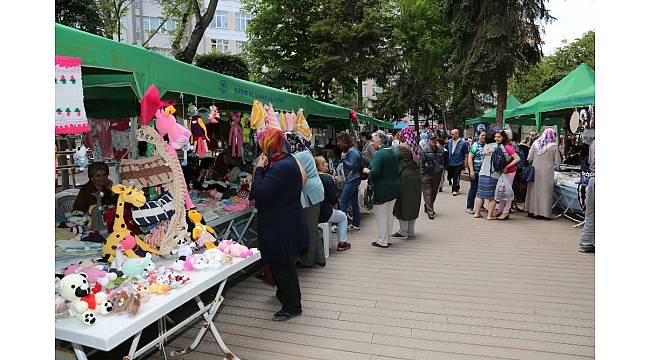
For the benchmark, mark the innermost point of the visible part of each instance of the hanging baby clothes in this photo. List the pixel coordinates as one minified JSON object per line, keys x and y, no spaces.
{"x":214,"y":114}
{"x":120,"y":137}
{"x":199,"y":135}
{"x":100,"y":138}
{"x":236,"y":141}
{"x":245,"y":125}
{"x":289,"y":121}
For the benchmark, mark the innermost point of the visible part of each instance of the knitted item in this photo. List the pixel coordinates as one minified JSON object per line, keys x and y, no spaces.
{"x":214,"y":114}
{"x":301,"y":126}
{"x":289,"y":121}
{"x":283,"y":121}
{"x":245,"y":125}
{"x":257,"y":116}
{"x":69,"y":115}
{"x":270,"y":120}
{"x":236,"y":141}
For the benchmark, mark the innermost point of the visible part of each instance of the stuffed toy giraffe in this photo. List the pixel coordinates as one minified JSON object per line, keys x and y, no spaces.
{"x":131,"y":195}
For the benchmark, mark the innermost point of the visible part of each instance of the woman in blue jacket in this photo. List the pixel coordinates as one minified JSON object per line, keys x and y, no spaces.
{"x":351,"y":158}
{"x":282,"y":231}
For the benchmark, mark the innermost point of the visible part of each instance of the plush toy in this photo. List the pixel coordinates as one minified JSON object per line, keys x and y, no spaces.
{"x":214,"y":257}
{"x":80,"y":157}
{"x":166,"y":125}
{"x":185,"y":247}
{"x":136,"y":267}
{"x":234,"y":249}
{"x":135,"y":196}
{"x":129,"y":302}
{"x":85,"y":302}
{"x":245,"y":180}
{"x":214,"y":114}
{"x":61,"y":308}
{"x":202,"y":234}
{"x":94,"y":274}
{"x":196,"y":262}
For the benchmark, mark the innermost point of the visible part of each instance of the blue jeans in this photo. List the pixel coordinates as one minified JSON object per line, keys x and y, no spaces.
{"x":350,"y":194}
{"x":471,"y":194}
{"x":341,"y":220}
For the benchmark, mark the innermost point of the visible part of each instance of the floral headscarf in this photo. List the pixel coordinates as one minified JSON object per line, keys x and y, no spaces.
{"x":542,"y":143}
{"x":273,"y":144}
{"x":296,"y":143}
{"x":408,"y":136}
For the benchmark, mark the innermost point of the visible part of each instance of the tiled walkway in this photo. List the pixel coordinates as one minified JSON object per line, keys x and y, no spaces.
{"x":463,"y":289}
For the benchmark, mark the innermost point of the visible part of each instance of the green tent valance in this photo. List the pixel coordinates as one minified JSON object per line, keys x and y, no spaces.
{"x":376,"y":122}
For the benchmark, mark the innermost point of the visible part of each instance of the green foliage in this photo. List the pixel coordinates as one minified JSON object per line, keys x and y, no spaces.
{"x":178,"y":11}
{"x":525,"y":85}
{"x":227,"y":64}
{"x":79,"y":14}
{"x":419,"y":80}
{"x":111,"y":11}
{"x":493,"y":38}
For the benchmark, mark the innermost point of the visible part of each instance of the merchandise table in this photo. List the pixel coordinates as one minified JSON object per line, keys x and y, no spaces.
{"x":565,"y":194}
{"x":233,"y":219}
{"x":111,"y":330}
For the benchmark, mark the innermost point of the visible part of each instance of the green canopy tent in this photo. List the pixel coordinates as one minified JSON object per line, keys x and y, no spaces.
{"x":372,"y":121}
{"x":490,"y":116}
{"x":322,"y":114}
{"x":575,"y":89}
{"x":120,"y":74}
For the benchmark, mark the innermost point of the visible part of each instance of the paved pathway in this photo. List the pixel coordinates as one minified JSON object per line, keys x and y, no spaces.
{"x":463,"y":289}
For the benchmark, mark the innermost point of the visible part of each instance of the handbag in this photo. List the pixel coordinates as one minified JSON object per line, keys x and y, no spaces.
{"x":369,"y":196}
{"x":528,"y":174}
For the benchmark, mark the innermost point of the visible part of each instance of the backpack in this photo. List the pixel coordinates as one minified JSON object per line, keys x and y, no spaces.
{"x":498,"y":160}
{"x":363,"y":163}
{"x":522,"y":158}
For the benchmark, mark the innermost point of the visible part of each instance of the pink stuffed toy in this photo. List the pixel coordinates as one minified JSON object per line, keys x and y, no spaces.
{"x":166,"y":125}
{"x":234,"y":249}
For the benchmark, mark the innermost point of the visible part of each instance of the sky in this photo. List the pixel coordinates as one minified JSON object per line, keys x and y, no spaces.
{"x":574,"y":18}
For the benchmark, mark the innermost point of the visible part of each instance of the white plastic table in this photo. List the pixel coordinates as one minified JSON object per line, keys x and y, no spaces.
{"x":246,"y":216}
{"x":111,"y":330}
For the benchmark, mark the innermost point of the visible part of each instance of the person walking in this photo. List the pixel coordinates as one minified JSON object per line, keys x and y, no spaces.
{"x":544,"y":155}
{"x":407,"y":205}
{"x":281,"y":226}
{"x":510,"y":170}
{"x":312,"y":195}
{"x":384,"y":176}
{"x":588,"y":232}
{"x":487,"y":180}
{"x":327,"y":211}
{"x":441,"y":145}
{"x":475,"y":160}
{"x":433,"y":165}
{"x":351,"y":158}
{"x":457,"y":149}
{"x":367,"y":154}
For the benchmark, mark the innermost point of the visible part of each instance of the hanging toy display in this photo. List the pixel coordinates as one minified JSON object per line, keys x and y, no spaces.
{"x":214,"y":114}
{"x":199,"y":135}
{"x":245,"y":125}
{"x":192,"y":110}
{"x":80,"y":157}
{"x":235,"y":138}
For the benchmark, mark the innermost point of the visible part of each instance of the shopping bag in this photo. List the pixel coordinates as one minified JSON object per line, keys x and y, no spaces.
{"x":504,"y":189}
{"x":369,"y":196}
{"x":528,"y":174}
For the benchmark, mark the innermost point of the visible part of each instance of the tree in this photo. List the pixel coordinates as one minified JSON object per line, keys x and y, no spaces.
{"x":227,"y":64}
{"x":280,"y":45}
{"x":111,"y":12}
{"x":419,"y":82}
{"x":527,"y":84}
{"x":493,"y":38}
{"x":353,"y":43}
{"x":79,"y":14}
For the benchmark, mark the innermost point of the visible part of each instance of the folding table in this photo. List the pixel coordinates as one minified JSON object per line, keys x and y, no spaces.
{"x":111,"y":330}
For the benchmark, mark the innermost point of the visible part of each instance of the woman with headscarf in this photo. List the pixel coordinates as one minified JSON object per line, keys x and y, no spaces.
{"x":384,"y":176}
{"x":282,"y":231}
{"x":312,"y":195}
{"x":407,"y":206}
{"x":544,"y":155}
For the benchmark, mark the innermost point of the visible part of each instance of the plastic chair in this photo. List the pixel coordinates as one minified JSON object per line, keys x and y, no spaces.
{"x":325,"y":229}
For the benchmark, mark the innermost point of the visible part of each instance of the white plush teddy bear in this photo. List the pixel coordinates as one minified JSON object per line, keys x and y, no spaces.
{"x":84,"y":301}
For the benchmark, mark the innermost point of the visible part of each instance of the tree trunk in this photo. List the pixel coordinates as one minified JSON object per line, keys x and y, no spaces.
{"x":180,"y":32}
{"x":359,"y":95}
{"x":202,"y":23}
{"x":502,"y":98}
{"x":416,"y":121}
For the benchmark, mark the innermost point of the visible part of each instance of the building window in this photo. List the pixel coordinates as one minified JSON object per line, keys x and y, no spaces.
{"x":364,"y":89}
{"x":240,"y":45}
{"x":220,"y":20}
{"x":241,"y":21}
{"x":150,"y":23}
{"x":220,"y":45}
{"x":169,"y":26}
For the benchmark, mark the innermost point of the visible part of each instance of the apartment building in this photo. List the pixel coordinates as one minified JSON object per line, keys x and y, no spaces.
{"x":226,"y":32}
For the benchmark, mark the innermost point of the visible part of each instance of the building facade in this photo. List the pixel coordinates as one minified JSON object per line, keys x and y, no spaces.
{"x":226,"y":32}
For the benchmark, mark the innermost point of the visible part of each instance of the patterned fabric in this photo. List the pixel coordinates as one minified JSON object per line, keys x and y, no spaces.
{"x":408,"y":136}
{"x":548,"y":137}
{"x":69,"y":115}
{"x":297,"y":144}
{"x":274,"y":144}
{"x":477,"y":150}
{"x":486,"y":187}
{"x":153,"y":212}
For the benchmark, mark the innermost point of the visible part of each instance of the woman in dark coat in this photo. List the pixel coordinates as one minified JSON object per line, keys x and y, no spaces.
{"x":282,"y":231}
{"x":407,"y":206}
